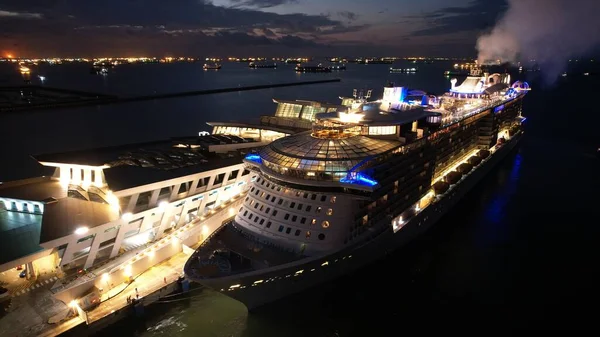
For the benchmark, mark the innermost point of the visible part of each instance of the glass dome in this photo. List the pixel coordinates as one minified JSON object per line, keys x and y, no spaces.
{"x":306,"y":153}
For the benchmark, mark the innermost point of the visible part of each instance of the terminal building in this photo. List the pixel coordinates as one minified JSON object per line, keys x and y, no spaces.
{"x":101,"y":203}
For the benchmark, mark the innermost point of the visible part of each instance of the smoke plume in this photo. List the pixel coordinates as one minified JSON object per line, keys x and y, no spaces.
{"x":549,"y":31}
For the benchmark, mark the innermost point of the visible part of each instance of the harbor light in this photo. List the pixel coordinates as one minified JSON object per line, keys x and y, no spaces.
{"x":81,"y":230}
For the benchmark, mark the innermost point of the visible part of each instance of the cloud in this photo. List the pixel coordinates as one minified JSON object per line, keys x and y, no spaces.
{"x":261,"y":3}
{"x":478,"y":15}
{"x":19,"y":15}
{"x":350,"y":16}
{"x":155,"y":27}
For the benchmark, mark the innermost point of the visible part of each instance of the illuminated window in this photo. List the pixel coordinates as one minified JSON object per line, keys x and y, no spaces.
{"x":332,"y":199}
{"x":382,"y":130}
{"x":318,"y":210}
{"x":314,"y":221}
{"x":288,"y":110}
{"x":325,"y":224}
{"x":330,"y":211}
{"x":307,"y":234}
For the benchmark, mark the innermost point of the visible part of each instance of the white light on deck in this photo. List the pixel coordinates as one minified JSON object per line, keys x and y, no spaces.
{"x":350,"y":117}
{"x":162,"y":205}
{"x":127,"y":216}
{"x":81,"y":230}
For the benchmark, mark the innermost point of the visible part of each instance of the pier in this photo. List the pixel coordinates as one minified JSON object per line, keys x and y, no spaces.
{"x":35,"y":97}
{"x":148,"y":276}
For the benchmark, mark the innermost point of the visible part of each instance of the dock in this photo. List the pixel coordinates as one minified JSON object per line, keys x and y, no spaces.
{"x":148,"y":283}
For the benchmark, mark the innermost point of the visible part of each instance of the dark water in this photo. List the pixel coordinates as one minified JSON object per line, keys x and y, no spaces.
{"x":518,"y":252}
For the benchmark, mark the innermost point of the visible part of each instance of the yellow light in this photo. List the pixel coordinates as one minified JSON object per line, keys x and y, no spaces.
{"x":350,"y":117}
{"x":105,"y":277}
{"x":73,"y":304}
{"x":81,"y":230}
{"x":127,"y":271}
{"x":151,"y":254}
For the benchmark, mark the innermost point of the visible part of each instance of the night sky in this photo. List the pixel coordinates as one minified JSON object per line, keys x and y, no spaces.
{"x":90,"y":28}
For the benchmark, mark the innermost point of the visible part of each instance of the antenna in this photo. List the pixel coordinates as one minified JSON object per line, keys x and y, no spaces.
{"x":354,"y":93}
{"x":360,"y":94}
{"x":369,"y":93}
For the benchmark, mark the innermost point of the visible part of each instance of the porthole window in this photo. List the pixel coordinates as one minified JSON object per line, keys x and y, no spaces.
{"x":330,"y":211}
{"x":325,"y":224}
{"x":321,"y":236}
{"x":314,"y":221}
{"x":307,"y":234}
{"x":332,"y":199}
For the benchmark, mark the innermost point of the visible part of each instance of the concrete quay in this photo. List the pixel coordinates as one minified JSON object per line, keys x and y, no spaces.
{"x":147,"y":276}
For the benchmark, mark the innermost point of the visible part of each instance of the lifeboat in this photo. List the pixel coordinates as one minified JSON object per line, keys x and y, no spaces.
{"x":474,"y":160}
{"x":464,"y":168}
{"x":483,"y":154}
{"x":441,"y":187}
{"x":452,"y":177}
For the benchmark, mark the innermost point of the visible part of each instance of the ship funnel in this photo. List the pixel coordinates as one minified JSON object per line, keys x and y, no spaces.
{"x":453,"y":83}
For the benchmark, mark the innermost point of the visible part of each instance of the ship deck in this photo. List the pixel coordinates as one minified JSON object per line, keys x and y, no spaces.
{"x":230,"y":251}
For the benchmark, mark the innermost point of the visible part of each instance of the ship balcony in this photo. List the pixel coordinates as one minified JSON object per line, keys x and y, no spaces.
{"x":231,"y":251}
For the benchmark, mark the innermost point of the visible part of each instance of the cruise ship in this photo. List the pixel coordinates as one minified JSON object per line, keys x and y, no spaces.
{"x":365,"y":179}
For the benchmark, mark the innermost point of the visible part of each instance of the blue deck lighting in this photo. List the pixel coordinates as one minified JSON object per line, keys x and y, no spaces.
{"x":359,"y":179}
{"x":254,"y":157}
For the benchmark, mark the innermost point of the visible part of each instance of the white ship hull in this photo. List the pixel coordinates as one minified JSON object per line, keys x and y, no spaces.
{"x":261,"y":287}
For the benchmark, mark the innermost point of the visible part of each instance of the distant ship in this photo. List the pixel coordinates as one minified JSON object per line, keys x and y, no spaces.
{"x":368,"y":177}
{"x":457,"y":72}
{"x":211,"y":66}
{"x":99,"y":70}
{"x":337,"y":67}
{"x":463,"y":69}
{"x":312,"y":68}
{"x":262,"y":64}
{"x":403,"y":70}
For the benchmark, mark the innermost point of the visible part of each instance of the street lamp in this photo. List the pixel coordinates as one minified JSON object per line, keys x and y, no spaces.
{"x":105,"y":278}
